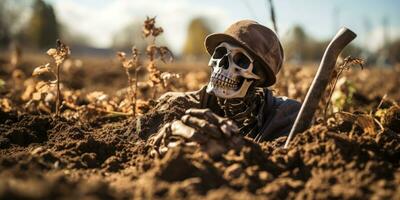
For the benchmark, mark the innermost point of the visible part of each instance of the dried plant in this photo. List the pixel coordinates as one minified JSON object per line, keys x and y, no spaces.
{"x":39,"y":93}
{"x":150,"y":29}
{"x":347,"y":63}
{"x":101,"y":102}
{"x":59,"y":55}
{"x":155,"y":52}
{"x":97,"y":97}
{"x":131,"y":64}
{"x":167,"y":77}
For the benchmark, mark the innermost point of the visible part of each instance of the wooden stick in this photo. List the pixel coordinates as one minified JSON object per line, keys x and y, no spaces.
{"x":321,"y":80}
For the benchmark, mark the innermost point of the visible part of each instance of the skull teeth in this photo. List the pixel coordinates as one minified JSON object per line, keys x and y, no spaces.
{"x":220,"y":80}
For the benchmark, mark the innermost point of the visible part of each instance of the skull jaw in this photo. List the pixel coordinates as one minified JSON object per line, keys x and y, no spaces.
{"x":227,"y":93}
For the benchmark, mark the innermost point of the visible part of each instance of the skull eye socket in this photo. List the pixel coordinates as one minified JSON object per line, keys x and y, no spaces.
{"x":241,"y":60}
{"x":219,"y":52}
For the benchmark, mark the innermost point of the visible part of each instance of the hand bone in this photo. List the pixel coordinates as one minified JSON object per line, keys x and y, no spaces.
{"x":197,"y":125}
{"x":210,"y":123}
{"x":178,"y":128}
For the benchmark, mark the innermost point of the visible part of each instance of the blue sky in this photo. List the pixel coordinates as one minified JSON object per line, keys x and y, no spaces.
{"x":101,"y":19}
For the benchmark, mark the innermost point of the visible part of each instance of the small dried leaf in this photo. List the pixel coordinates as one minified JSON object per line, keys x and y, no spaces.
{"x":37,"y":96}
{"x":97,"y":96}
{"x":148,"y":26}
{"x":49,"y":97}
{"x":157,"y":31}
{"x":349,"y":61}
{"x":154,"y":74}
{"x":62,"y":52}
{"x":146,"y":32}
{"x":135,"y":52}
{"x":135,"y":56}
{"x":166,"y":54}
{"x":52,"y":52}
{"x":152,"y":51}
{"x":121,"y":56}
{"x":41,"y":69}
{"x":42,"y":87}
{"x":169,"y":75}
{"x":103,"y":97}
{"x":127,"y":64}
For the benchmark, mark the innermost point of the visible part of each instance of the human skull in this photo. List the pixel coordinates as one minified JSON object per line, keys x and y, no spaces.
{"x":232,"y":72}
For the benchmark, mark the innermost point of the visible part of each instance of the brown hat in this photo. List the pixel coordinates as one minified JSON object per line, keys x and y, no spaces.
{"x":258,"y":40}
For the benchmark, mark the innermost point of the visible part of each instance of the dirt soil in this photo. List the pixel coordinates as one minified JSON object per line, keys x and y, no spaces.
{"x":108,"y":158}
{"x":42,"y":158}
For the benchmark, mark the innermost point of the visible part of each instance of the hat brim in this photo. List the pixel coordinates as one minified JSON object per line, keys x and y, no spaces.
{"x":213,"y":40}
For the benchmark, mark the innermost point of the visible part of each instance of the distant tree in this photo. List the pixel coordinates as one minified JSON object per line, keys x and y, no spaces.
{"x":197,"y":32}
{"x":314,"y":49}
{"x":10,"y":20}
{"x":393,"y":51}
{"x":300,"y":47}
{"x":43,"y":30}
{"x":296,"y":44}
{"x":4,"y":29}
{"x":130,"y":35}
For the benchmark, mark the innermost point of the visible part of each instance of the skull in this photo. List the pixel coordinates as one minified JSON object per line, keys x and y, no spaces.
{"x":232,"y":72}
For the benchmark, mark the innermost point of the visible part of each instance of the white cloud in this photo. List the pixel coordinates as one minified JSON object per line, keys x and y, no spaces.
{"x":100,"y":22}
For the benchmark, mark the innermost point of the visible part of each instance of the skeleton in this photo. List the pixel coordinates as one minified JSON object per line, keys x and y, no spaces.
{"x":233,"y":80}
{"x":232,"y":72}
{"x":236,"y":101}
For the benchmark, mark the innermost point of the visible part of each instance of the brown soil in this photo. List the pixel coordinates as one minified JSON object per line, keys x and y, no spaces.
{"x":42,"y":158}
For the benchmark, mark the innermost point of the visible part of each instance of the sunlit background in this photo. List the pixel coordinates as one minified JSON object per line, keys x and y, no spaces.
{"x":99,"y":27}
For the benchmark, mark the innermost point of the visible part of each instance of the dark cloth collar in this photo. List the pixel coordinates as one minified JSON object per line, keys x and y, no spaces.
{"x":210,"y":101}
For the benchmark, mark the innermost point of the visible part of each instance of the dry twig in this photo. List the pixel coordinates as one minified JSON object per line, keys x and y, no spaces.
{"x":155,"y":52}
{"x":59,"y":55}
{"x":347,"y":63}
{"x":132,"y":63}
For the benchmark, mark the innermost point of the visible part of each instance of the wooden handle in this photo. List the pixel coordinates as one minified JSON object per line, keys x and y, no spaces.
{"x":321,"y":80}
